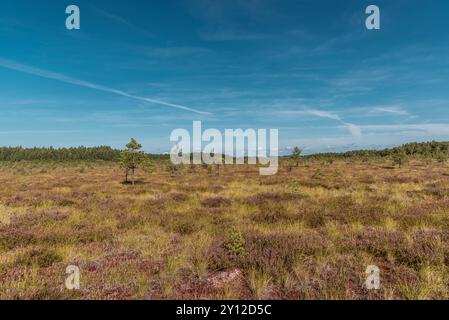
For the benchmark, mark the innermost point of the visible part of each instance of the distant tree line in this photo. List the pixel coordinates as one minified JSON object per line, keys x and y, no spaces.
{"x":104,"y":153}
{"x":431,"y":149}
{"x":58,"y":154}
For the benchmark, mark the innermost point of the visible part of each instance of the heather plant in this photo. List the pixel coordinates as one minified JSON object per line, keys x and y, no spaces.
{"x":40,"y":257}
{"x":173,"y":168}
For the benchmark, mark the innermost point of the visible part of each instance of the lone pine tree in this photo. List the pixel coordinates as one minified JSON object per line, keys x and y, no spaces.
{"x":131,"y":158}
{"x":296,"y":154}
{"x":400,"y":158}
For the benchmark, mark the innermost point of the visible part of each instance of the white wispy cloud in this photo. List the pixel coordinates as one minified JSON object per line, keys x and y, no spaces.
{"x":323,"y":114}
{"x":398,"y":110}
{"x":174,"y":52}
{"x":331,"y":44}
{"x":231,"y":35}
{"x":121,"y":20}
{"x":13,"y":65}
{"x":355,"y":130}
{"x":15,"y":132}
{"x":435,"y":129}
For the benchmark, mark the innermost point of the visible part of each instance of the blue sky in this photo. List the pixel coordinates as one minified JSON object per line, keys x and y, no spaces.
{"x":143,"y":68}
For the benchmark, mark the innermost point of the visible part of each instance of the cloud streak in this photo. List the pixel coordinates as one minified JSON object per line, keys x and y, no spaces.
{"x":12,"y":65}
{"x":355,"y":130}
{"x":434,"y":129}
{"x":397,"y":110}
{"x":323,"y":114}
{"x":121,"y":20}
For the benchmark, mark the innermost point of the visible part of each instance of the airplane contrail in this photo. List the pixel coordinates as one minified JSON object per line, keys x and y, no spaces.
{"x":355,"y":130}
{"x":12,"y":65}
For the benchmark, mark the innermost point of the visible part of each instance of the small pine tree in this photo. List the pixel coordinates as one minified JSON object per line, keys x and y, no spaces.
{"x":131,"y":158}
{"x":442,"y":157}
{"x":296,"y":154}
{"x":236,"y":243}
{"x":400,"y":158}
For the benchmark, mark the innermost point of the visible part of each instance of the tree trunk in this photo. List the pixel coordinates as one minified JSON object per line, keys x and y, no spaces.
{"x":133,"y":175}
{"x":126,"y":175}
